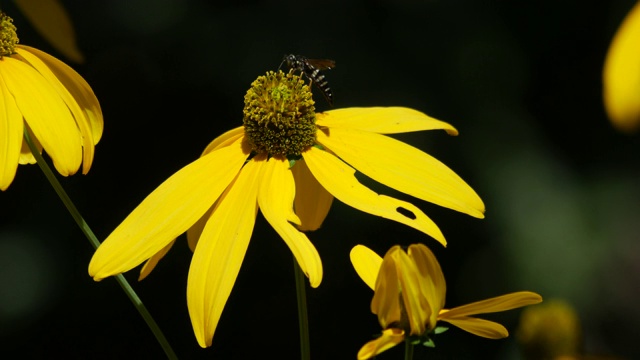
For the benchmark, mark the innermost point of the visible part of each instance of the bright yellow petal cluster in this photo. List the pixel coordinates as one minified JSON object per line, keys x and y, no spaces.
{"x":621,"y":75}
{"x":409,"y":297}
{"x":42,"y":94}
{"x":215,"y":199}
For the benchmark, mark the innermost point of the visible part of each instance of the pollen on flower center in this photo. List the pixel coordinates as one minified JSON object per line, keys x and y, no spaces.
{"x":279,"y":115}
{"x":8,"y":36}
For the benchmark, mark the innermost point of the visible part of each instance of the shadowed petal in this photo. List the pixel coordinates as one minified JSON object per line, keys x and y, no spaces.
{"x":389,"y":339}
{"x":404,"y":168}
{"x":277,"y":191}
{"x":416,"y":304}
{"x":496,"y":304}
{"x":312,"y":202}
{"x":221,"y":250}
{"x":383,"y":120}
{"x":338,"y":178}
{"x":366,"y":263}
{"x":153,"y":261}
{"x":485,"y":328}
{"x":386,"y":296}
{"x":11,"y":130}
{"x":434,"y":284}
{"x":39,"y":103}
{"x":225,"y":139}
{"x":167,"y":212}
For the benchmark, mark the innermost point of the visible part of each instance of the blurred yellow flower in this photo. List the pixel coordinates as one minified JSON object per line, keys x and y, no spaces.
{"x":289,"y":162}
{"x":409,"y":298}
{"x":42,"y":94}
{"x":621,"y":75}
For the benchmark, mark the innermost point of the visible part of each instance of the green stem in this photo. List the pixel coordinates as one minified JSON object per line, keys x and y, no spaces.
{"x":95,"y":243}
{"x":303,"y":320}
{"x":408,"y":350}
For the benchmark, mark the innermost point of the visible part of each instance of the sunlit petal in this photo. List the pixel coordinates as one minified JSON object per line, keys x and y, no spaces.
{"x":39,"y":103}
{"x":221,"y":249}
{"x":277,"y":191}
{"x":435,"y":286}
{"x":485,"y":328}
{"x":11,"y":130}
{"x":338,"y":178}
{"x":383,"y":120}
{"x":153,"y":261}
{"x":167,"y":212}
{"x":366,"y":263}
{"x":389,"y":339}
{"x":496,"y":304}
{"x":312,"y":202}
{"x":404,"y":168}
{"x":225,"y":139}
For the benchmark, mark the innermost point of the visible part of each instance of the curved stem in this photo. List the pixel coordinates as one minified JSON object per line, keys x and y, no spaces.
{"x":303,"y":320}
{"x":84,"y":227}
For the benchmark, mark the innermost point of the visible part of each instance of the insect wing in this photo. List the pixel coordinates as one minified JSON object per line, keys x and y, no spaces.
{"x":322,"y":64}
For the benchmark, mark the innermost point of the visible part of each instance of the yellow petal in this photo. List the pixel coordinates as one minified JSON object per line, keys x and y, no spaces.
{"x":480,"y":327}
{"x":153,"y":261}
{"x":78,"y":87}
{"x":225,"y":139}
{"x":404,"y":168}
{"x":167,"y":212}
{"x":221,"y":250}
{"x":386,"y":297}
{"x":389,"y":339}
{"x":51,"y":20}
{"x":383,"y":120}
{"x":11,"y":130}
{"x":26,"y":157}
{"x":194,"y":232}
{"x":312,"y":201}
{"x":46,"y":113}
{"x":621,"y":75}
{"x":433,"y":281}
{"x":338,"y":178}
{"x":496,"y":304}
{"x":366,"y":263}
{"x":416,"y":304}
{"x":81,"y":120}
{"x":277,"y":191}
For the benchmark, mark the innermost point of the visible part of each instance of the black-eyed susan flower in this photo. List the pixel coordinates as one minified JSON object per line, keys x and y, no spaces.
{"x":409,"y":298}
{"x":42,"y":94}
{"x":621,"y":75}
{"x":289,"y":162}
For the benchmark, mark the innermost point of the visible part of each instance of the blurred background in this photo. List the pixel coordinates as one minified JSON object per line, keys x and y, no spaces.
{"x":521,"y":81}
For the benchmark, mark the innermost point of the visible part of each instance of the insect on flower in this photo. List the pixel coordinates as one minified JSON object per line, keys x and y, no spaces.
{"x":311,"y":69}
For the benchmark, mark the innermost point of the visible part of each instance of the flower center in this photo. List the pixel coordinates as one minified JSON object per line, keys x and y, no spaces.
{"x":279,"y":115}
{"x":8,"y":36}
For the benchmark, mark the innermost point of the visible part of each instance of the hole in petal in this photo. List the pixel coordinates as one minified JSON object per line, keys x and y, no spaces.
{"x":406,"y":213}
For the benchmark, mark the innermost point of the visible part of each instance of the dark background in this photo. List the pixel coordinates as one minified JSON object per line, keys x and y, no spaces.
{"x":520,"y":80}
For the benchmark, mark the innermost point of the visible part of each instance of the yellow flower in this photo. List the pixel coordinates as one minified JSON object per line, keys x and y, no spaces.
{"x":52,"y":101}
{"x":621,"y":75}
{"x":285,"y":157}
{"x":409,"y":298}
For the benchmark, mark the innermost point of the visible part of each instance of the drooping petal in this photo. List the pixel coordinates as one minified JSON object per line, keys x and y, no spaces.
{"x":389,"y":339}
{"x":46,"y":113}
{"x":153,"y":261}
{"x":621,"y":75}
{"x":382,"y":120}
{"x":403,"y":167}
{"x":77,"y":86}
{"x":480,"y":327}
{"x":26,"y":157}
{"x":167,"y":212}
{"x":81,"y":120}
{"x":275,"y":197}
{"x":11,"y":130}
{"x":386,"y":296}
{"x":366,"y":263}
{"x":225,"y":139}
{"x":433,"y":281}
{"x":51,"y":20}
{"x":312,"y":202}
{"x":416,"y":304}
{"x":221,"y":250}
{"x":338,"y":178}
{"x":495,"y":304}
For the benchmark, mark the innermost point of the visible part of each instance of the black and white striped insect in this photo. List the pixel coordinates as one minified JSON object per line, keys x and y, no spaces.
{"x":311,"y":69}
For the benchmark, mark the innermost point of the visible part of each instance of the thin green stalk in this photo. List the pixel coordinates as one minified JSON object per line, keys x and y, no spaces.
{"x":303,"y":319}
{"x":95,"y":243}
{"x":408,"y":350}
